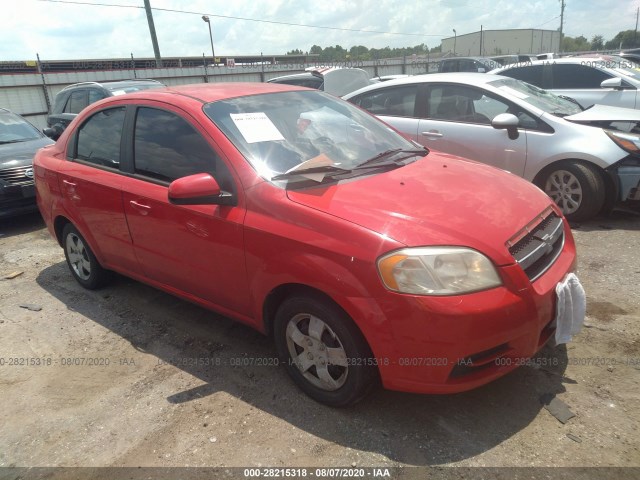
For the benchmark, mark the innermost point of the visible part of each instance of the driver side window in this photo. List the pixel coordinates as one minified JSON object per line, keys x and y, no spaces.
{"x":167,"y":147}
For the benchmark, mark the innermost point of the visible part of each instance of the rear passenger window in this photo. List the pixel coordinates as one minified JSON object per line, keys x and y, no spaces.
{"x":99,"y":138}
{"x":577,"y":76}
{"x":399,"y":101}
{"x":166,"y":147}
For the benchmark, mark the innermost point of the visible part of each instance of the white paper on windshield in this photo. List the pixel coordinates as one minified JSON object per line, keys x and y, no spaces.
{"x":514,"y":92}
{"x":118,"y":92}
{"x":256,"y":127}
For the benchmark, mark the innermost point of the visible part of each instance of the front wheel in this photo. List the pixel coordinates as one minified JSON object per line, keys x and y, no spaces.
{"x":577,"y":188}
{"x":82,"y":262}
{"x":323,"y":351}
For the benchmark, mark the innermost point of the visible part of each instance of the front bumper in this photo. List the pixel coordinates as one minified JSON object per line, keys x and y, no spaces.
{"x":452,"y":344}
{"x":629,"y":182}
{"x":17,"y":200}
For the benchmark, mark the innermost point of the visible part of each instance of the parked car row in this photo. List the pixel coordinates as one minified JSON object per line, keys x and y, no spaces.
{"x":361,"y":251}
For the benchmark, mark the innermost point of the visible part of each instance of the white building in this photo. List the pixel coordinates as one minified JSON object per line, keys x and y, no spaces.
{"x":503,"y":42}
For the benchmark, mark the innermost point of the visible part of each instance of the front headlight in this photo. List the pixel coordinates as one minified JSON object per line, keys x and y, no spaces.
{"x":626,"y":141}
{"x":437,"y":271}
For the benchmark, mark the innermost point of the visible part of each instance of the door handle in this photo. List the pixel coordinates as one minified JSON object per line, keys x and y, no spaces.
{"x":433,"y":134}
{"x":141,"y":208}
{"x":68,"y":183}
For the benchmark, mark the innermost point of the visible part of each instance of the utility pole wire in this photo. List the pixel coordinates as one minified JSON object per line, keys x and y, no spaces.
{"x":171,"y":10}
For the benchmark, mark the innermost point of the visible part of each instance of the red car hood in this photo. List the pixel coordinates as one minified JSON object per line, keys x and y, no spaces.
{"x":439,"y":200}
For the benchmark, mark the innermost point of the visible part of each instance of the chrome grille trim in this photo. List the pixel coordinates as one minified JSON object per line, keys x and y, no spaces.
{"x":16,"y":176}
{"x":537,"y":246}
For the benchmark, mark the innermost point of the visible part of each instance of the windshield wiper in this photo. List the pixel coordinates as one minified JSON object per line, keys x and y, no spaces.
{"x":13,"y":141}
{"x":390,"y":153}
{"x":331,"y":169}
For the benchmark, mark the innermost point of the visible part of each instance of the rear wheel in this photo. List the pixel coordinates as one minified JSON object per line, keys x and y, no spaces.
{"x":323,"y":351}
{"x":577,"y":188}
{"x":82,"y":262}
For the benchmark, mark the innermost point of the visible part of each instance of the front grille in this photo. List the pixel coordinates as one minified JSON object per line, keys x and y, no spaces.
{"x":538,"y":245}
{"x":17,"y":175}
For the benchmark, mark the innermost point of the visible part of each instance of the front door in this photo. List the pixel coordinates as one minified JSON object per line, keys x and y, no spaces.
{"x":196,"y":249}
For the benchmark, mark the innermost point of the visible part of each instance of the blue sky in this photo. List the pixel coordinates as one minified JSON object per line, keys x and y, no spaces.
{"x":70,"y":30}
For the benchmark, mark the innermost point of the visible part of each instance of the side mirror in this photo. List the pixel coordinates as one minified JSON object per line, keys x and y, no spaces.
{"x":508,"y":122}
{"x":198,"y":189}
{"x":615,"y":83}
{"x":54,"y":132}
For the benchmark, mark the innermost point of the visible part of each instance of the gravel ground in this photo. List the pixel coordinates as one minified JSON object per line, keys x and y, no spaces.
{"x":96,"y":378}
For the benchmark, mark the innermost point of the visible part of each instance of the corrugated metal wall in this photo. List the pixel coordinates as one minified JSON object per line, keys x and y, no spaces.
{"x":32,"y":94}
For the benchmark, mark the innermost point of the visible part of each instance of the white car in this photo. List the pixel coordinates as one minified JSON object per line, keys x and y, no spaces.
{"x":605,"y":80}
{"x":585,"y":160}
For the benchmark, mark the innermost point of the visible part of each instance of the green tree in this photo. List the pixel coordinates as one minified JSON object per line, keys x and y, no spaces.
{"x":627,"y":38}
{"x":597,"y":42}
{"x":578,"y":44}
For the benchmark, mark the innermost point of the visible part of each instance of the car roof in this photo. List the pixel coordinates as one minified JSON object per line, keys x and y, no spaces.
{"x":467,"y":78}
{"x":465,"y":58}
{"x":211,"y":92}
{"x":114,"y":85}
{"x":296,"y":75}
{"x":551,"y":61}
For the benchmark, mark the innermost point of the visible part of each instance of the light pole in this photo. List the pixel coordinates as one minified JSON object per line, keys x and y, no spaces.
{"x":206,"y":19}
{"x":455,"y":38}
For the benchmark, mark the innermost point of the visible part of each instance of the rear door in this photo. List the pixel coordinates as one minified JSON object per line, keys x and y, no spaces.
{"x":90,"y":181}
{"x":195,"y":249}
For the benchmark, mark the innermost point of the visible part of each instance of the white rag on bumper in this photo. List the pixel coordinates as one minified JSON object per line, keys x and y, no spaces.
{"x":570,"y":309}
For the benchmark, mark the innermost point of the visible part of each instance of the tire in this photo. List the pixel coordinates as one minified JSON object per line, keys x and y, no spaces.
{"x":309,"y":330}
{"x":82,"y":262}
{"x":577,"y":188}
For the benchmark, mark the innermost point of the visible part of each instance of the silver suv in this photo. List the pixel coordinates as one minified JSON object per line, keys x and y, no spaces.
{"x":72,"y":99}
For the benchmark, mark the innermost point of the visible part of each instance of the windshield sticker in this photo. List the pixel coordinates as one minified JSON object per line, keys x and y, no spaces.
{"x":514,"y":92}
{"x":256,"y":127}
{"x":118,"y":92}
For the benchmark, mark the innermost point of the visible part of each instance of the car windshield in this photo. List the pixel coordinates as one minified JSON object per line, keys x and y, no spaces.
{"x":281,"y":133}
{"x":627,"y":68}
{"x":14,"y":129}
{"x":537,"y":97}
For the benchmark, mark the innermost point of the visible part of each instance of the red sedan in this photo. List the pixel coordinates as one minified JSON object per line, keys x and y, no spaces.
{"x":365,"y":256}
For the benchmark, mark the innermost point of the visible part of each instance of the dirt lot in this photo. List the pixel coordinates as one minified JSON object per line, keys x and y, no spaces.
{"x":95,"y":378}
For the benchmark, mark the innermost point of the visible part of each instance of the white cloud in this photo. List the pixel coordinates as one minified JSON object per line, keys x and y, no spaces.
{"x":69,"y":31}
